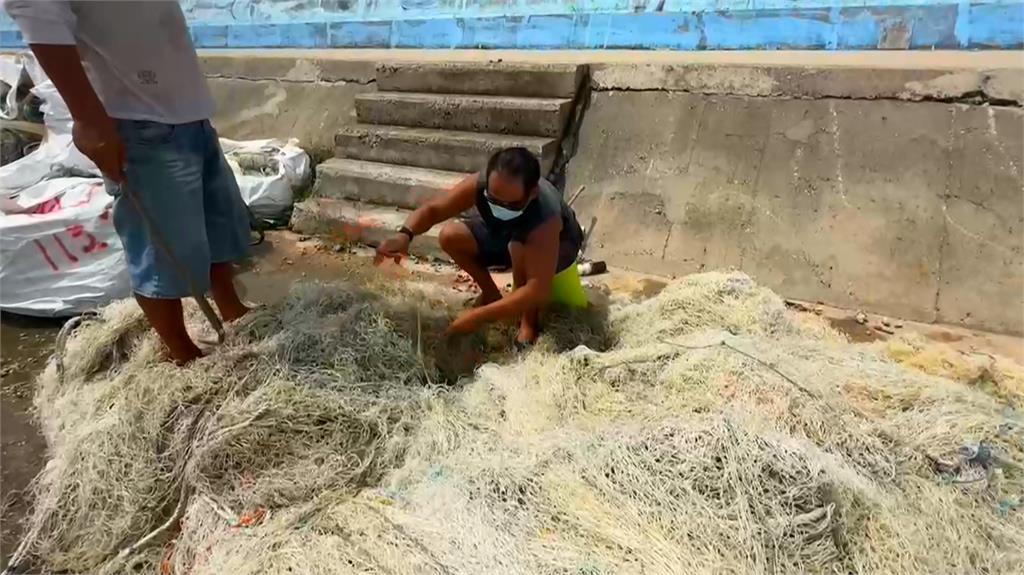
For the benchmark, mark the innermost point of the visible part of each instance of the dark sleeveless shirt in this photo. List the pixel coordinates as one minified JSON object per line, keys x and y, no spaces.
{"x":548,"y":204}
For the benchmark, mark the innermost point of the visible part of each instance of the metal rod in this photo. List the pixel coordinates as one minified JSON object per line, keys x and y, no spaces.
{"x":576,"y":195}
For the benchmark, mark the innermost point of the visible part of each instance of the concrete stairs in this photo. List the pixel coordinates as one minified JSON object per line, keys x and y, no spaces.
{"x":394,"y":185}
{"x":429,"y":126}
{"x":492,"y":114}
{"x":451,"y":150}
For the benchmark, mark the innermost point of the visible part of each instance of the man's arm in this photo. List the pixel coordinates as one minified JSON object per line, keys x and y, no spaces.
{"x":63,"y":64}
{"x":540,"y":257}
{"x":460,"y":198}
{"x":48,"y":27}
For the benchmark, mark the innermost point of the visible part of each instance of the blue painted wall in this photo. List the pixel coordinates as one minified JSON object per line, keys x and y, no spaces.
{"x":600,"y":24}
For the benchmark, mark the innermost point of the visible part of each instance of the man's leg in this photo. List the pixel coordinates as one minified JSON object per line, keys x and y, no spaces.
{"x":227,"y":225}
{"x":458,"y":242}
{"x":222,"y":288}
{"x":164,"y":176}
{"x":529,"y":324}
{"x":167,"y":318}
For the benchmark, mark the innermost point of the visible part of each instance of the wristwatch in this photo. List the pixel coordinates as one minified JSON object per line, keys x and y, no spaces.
{"x":406,"y":231}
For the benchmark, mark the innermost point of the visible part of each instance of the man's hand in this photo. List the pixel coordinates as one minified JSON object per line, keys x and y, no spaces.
{"x":98,"y":139}
{"x":466,"y":322}
{"x":393,"y":248}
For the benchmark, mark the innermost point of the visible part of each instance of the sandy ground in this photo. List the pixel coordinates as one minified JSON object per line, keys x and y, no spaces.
{"x":286,"y":258}
{"x":25,"y":344}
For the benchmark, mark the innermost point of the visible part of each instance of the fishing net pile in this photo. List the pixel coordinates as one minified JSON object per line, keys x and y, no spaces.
{"x":716,"y":433}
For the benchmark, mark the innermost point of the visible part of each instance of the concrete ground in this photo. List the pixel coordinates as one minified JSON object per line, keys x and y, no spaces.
{"x":286,"y":258}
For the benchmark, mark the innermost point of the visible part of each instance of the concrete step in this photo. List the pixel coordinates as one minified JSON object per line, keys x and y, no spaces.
{"x":437,"y":149}
{"x":382,"y":184}
{"x":493,"y":78}
{"x":491,"y":114}
{"x":345,"y":221}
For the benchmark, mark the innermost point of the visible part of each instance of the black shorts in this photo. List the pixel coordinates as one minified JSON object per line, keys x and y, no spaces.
{"x":493,"y":246}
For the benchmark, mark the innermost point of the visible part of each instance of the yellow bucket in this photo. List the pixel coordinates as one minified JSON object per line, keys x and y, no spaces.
{"x":567,"y":289}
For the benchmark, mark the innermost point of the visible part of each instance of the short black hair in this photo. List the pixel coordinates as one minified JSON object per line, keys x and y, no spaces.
{"x":517,"y":163}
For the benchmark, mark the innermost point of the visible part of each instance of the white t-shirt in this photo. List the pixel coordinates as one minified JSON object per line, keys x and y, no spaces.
{"x":138,"y":54}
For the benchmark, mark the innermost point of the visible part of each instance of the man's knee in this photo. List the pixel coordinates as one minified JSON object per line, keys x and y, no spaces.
{"x":455,"y":238}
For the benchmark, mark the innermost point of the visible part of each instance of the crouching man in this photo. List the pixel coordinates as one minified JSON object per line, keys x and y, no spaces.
{"x":520,"y":220}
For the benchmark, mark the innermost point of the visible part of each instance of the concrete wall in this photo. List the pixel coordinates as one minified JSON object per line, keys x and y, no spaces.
{"x":885,"y":182}
{"x":600,"y":24}
{"x":859,"y":198}
{"x":310,"y":94}
{"x":888,"y":182}
{"x":286,"y":97}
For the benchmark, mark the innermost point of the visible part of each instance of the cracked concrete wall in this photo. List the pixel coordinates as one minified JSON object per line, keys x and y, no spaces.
{"x":998,"y":85}
{"x":913,"y":209}
{"x":272,"y":94}
{"x":286,"y":97}
{"x":888,"y":189}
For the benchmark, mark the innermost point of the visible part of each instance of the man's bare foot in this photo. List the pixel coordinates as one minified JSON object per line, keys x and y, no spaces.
{"x":185,"y":355}
{"x":234,"y":312}
{"x":529,"y":330}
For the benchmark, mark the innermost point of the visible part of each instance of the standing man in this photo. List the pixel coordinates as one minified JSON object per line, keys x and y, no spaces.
{"x":130,"y":77}
{"x":520,"y":220}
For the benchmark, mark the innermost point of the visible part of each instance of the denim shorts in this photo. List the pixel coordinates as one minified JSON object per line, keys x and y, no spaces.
{"x":179,"y":174}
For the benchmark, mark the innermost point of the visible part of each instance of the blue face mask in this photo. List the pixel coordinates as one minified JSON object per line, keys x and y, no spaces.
{"x":503,"y":213}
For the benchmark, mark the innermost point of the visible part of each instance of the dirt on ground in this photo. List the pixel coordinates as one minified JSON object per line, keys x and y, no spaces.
{"x":286,"y":258}
{"x":25,"y":343}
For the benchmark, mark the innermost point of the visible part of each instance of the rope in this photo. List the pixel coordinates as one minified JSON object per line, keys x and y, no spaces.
{"x":724,"y":343}
{"x":62,"y":337}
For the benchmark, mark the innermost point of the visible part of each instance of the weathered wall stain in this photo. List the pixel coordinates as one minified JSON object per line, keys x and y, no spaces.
{"x":907,"y":208}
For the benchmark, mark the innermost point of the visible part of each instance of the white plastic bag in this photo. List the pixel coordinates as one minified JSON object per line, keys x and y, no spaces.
{"x":57,"y":155}
{"x":11,"y":71}
{"x":59,"y":253}
{"x":268,"y":173}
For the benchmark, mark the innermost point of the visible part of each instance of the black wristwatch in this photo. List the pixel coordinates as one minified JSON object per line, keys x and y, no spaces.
{"x":406,"y":231}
